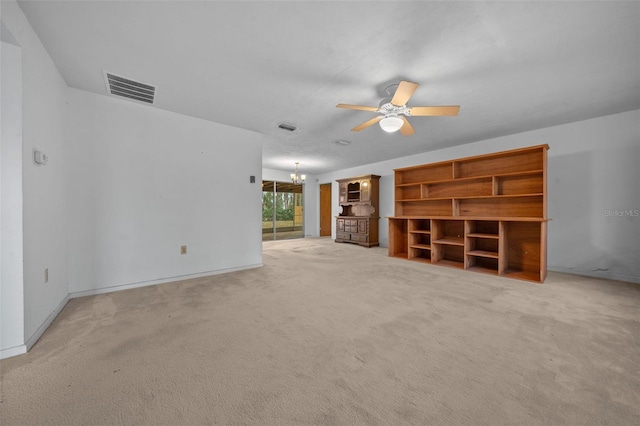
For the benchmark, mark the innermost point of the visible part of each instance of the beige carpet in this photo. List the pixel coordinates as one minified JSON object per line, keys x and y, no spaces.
{"x":330,"y":333}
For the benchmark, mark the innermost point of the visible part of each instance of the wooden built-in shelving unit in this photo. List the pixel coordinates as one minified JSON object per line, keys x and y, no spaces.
{"x":486,"y":213}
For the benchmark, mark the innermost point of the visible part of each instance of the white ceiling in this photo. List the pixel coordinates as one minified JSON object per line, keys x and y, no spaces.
{"x":511,"y":66}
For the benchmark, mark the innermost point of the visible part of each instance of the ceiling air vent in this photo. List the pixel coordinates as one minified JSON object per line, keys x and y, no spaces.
{"x":127,"y":88}
{"x":288,"y":127}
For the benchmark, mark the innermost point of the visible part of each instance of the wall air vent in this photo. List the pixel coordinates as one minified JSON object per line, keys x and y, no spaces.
{"x":127,"y":88}
{"x":288,"y":127}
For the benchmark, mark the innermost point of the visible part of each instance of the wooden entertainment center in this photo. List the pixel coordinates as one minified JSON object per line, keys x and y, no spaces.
{"x":486,"y":213}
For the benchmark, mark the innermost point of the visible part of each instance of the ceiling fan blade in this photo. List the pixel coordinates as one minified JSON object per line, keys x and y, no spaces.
{"x":406,"y":129}
{"x":366,"y":124}
{"x":403,"y":93}
{"x":358,"y":107}
{"x":434,"y":110}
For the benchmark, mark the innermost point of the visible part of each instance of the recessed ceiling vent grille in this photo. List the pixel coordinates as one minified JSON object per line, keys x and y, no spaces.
{"x":288,"y":127}
{"x":127,"y":88}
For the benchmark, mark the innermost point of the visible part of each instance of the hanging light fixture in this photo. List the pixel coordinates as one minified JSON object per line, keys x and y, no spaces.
{"x":296,"y":177}
{"x":391,"y":123}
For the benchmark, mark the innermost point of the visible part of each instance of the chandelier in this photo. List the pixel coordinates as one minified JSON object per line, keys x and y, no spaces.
{"x":296,"y":177}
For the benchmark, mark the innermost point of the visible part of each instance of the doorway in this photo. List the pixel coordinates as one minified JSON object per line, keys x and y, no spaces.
{"x":282,"y":210}
{"x":325,"y":210}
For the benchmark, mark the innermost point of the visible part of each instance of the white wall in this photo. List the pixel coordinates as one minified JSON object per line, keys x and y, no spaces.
{"x":45,"y":196}
{"x":593,"y":173}
{"x":311,"y":208}
{"x":11,"y":273}
{"x":128,"y":183}
{"x":147,"y":181}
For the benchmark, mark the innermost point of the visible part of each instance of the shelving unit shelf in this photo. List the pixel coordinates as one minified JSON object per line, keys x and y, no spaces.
{"x":485,"y":213}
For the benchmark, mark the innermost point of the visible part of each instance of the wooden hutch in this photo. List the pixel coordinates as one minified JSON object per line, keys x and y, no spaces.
{"x":486,"y":213}
{"x":358,"y":219}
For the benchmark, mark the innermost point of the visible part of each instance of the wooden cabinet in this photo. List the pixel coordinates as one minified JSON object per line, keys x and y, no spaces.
{"x":358,"y":219}
{"x":486,"y":213}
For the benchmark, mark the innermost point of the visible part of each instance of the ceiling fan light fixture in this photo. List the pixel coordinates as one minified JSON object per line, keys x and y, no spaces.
{"x":391,"y":123}
{"x":393,"y":110}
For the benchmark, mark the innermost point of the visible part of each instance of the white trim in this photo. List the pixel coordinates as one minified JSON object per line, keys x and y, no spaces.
{"x":22,"y":349}
{"x":46,"y":323}
{"x":595,"y":274}
{"x":13,"y":351}
{"x":120,"y":287}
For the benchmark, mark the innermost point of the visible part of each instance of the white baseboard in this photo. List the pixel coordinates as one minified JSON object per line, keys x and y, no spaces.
{"x":22,"y":349}
{"x":13,"y":351}
{"x":595,"y":274}
{"x":46,"y":323}
{"x":139,"y":284}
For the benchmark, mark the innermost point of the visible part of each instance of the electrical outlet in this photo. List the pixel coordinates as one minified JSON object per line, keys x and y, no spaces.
{"x":46,"y":275}
{"x":183,"y":249}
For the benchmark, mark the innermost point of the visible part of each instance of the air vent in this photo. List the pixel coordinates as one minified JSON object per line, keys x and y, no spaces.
{"x":287,"y":127}
{"x":127,"y":88}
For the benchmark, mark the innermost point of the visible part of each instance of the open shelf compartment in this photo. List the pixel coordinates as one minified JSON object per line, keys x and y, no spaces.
{"x":398,"y":238}
{"x":522,"y":184}
{"x":420,"y":225}
{"x":519,"y":206}
{"x":447,"y":255}
{"x":500,"y":163}
{"x":465,"y":188}
{"x":523,"y":250}
{"x":450,"y":232}
{"x":424,"y":208}
{"x":420,"y":254}
{"x":484,"y":265}
{"x":419,"y":240}
{"x":409,"y":192}
{"x":424,"y":174}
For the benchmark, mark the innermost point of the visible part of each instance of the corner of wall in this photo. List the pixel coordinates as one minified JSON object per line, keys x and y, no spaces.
{"x":44,"y":187}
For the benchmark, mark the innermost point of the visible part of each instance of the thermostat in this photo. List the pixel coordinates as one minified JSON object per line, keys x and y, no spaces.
{"x":40,"y":158}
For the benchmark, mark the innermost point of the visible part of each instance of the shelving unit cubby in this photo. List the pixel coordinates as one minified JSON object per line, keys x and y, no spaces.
{"x":486,"y":213}
{"x":420,"y":240}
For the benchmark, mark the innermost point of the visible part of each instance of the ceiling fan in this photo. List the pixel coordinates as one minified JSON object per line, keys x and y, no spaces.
{"x":394,"y":111}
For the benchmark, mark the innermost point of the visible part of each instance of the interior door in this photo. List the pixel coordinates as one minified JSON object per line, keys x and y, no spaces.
{"x":325,"y":210}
